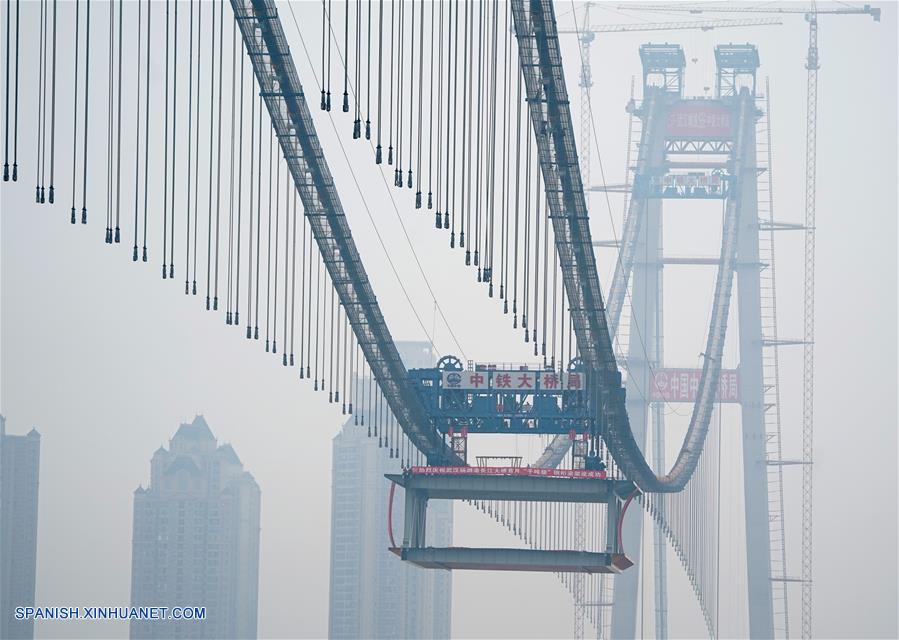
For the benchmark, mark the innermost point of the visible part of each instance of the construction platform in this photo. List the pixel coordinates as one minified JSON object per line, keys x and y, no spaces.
{"x":507,"y":484}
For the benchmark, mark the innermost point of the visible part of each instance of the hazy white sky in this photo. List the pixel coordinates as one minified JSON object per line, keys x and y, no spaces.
{"x":105,"y":359}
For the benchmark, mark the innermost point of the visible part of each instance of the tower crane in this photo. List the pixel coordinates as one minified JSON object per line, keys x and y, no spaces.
{"x":811,"y":14}
{"x":586,"y":35}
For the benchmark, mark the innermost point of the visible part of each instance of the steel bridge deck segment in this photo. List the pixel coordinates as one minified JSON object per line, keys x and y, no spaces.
{"x":565,"y":561}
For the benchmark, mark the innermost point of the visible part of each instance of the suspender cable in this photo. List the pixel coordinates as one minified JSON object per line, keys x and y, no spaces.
{"x":318,"y":306}
{"x":43,"y":125}
{"x":218,"y":163}
{"x":6,"y":93}
{"x":250,"y":212}
{"x":41,"y":84}
{"x":357,"y":123}
{"x":110,"y":119}
{"x":190,"y":121}
{"x":15,"y":123}
{"x":328,"y":75}
{"x":277,"y":231}
{"x":293,"y":275}
{"x":421,"y":90}
{"x":491,"y":164}
{"x":174,"y":146}
{"x":412,"y":88}
{"x":398,"y":171}
{"x":465,"y":136}
{"x":268,"y":255}
{"x":74,"y":100}
{"x":335,"y":347}
{"x":437,"y":218}
{"x":51,"y":195}
{"x":545,"y":282}
{"x":303,"y":272}
{"x":537,"y":201}
{"x":146,"y":138}
{"x":392,"y":49}
{"x":346,"y":365}
{"x":290,"y":230}
{"x":555,"y":308}
{"x":507,"y":145}
{"x":518,"y":107}
{"x":368,"y":81}
{"x":331,"y":350}
{"x":231,"y":180}
{"x":165,"y":171}
{"x":197,"y":158}
{"x":478,"y":148}
{"x":259,"y":215}
{"x":527,"y":242}
{"x":240,"y":154}
{"x":309,"y":314}
{"x":431,"y":109}
{"x":354,"y":377}
{"x":380,"y":73}
{"x":211,"y":149}
{"x":136,"y":136}
{"x":367,"y":406}
{"x":346,"y":56}
{"x":453,"y":55}
{"x":87,"y":86}
{"x":323,"y":105}
{"x":43,"y":109}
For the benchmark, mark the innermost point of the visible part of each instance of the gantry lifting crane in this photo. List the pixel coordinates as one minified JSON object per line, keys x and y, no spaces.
{"x":812,"y":65}
{"x":586,"y":35}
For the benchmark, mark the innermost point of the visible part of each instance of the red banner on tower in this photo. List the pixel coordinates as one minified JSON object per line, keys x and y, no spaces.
{"x":699,"y":119}
{"x":682,"y":385}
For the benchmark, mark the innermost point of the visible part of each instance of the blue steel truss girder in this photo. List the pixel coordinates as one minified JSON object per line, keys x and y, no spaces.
{"x":280,"y":86}
{"x":540,"y":57}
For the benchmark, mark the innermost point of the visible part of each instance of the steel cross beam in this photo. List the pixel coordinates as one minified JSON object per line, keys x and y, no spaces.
{"x":280,"y":86}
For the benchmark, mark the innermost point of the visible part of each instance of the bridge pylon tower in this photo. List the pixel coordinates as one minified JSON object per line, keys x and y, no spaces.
{"x":691,"y":156}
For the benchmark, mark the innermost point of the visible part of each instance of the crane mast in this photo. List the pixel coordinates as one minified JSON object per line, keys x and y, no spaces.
{"x":808,"y":337}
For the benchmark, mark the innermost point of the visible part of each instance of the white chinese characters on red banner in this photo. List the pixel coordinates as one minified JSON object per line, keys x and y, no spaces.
{"x":699,"y":119}
{"x":513,"y":381}
{"x":682,"y":385}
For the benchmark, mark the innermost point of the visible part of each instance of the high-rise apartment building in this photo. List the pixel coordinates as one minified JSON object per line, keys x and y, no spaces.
{"x":196,"y":539}
{"x":374,"y":594}
{"x":19,"y":471}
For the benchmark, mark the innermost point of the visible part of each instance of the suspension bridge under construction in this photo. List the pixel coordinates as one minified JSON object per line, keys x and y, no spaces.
{"x":465,"y":105}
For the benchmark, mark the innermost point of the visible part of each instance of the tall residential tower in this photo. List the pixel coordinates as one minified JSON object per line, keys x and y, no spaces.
{"x":373,"y":594}
{"x":19,"y":466}
{"x":196,"y":539}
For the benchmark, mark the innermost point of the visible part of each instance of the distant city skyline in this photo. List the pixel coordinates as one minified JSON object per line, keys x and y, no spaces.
{"x":19,"y":475}
{"x":196,"y":539}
